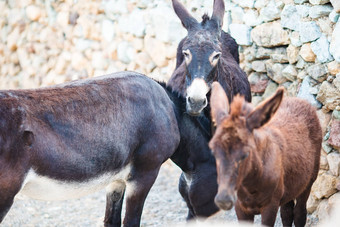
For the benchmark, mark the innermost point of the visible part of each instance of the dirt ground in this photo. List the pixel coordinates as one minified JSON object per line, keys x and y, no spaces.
{"x":163,"y":207}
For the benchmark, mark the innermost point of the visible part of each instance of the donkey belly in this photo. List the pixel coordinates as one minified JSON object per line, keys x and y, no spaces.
{"x":44,"y":188}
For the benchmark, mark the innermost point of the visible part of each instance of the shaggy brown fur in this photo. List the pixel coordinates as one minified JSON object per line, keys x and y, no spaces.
{"x":268,"y":154}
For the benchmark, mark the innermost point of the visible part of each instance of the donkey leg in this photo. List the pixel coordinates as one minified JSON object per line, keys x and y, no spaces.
{"x":184,"y":190}
{"x":8,"y":189}
{"x":287,"y":213}
{"x":5,"y":205}
{"x":114,"y":202}
{"x":300,"y":210}
{"x":10,"y":184}
{"x":137,"y":189}
{"x":241,"y":215}
{"x":268,"y":214}
{"x":202,"y":192}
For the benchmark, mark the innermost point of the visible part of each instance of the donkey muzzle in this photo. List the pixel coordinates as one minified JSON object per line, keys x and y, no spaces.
{"x":195,"y":106}
{"x":196,"y":99}
{"x":225,"y":202}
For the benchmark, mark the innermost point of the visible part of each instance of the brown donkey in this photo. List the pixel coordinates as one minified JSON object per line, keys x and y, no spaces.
{"x":268,"y":156}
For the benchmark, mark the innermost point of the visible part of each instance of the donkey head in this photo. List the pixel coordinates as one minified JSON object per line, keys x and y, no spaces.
{"x":234,"y":139}
{"x":201,"y":53}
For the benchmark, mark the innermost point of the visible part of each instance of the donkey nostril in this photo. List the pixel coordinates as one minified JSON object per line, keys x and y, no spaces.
{"x":200,"y":102}
{"x":190,"y":100}
{"x":225,"y":205}
{"x":205,"y":102}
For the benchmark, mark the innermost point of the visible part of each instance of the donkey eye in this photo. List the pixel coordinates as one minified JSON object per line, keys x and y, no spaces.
{"x":214,"y":57}
{"x":217,"y":56}
{"x":244,"y":156}
{"x":186,"y":53}
{"x":187,"y":56}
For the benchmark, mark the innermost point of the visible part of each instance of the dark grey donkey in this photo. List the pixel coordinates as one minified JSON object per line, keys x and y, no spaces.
{"x":69,"y":140}
{"x":205,"y":55}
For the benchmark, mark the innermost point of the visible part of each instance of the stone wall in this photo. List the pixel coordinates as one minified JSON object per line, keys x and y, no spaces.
{"x":290,"y":43}
{"x":48,"y":42}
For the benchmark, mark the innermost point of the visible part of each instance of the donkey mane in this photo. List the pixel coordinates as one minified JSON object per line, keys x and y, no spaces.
{"x":177,"y":98}
{"x":205,"y":18}
{"x":169,"y":89}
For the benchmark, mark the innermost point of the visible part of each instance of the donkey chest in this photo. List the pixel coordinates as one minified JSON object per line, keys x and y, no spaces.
{"x":253,"y":201}
{"x":44,"y":188}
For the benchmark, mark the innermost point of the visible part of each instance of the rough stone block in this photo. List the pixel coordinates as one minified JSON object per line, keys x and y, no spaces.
{"x":309,"y":31}
{"x":334,"y":136}
{"x":292,"y":54}
{"x":270,"y":89}
{"x":290,"y":72}
{"x":324,"y":186}
{"x":334,"y":46}
{"x":258,"y":66}
{"x":270,"y":35}
{"x":307,"y":53}
{"x":318,"y":72}
{"x":334,"y":16}
{"x":279,"y":58}
{"x":258,"y":82}
{"x":320,"y":48}
{"x":320,"y":11}
{"x":336,"y":5}
{"x":295,"y":39}
{"x":156,"y":50}
{"x":312,"y":204}
{"x":241,"y":33}
{"x":304,"y":92}
{"x":303,"y":10}
{"x":329,"y":96}
{"x":336,"y":82}
{"x":33,"y":12}
{"x":318,"y":2}
{"x":324,"y":118}
{"x":323,"y":161}
{"x":290,"y":17}
{"x":333,"y":67}
{"x":272,"y":11}
{"x":274,"y":71}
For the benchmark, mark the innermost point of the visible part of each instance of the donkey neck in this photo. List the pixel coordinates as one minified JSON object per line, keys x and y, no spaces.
{"x":195,"y":134}
{"x":193,"y":148}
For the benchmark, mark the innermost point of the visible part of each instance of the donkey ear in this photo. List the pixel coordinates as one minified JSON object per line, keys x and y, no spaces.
{"x":219,"y":103}
{"x":187,"y":20}
{"x":264,"y":112}
{"x":218,"y":12}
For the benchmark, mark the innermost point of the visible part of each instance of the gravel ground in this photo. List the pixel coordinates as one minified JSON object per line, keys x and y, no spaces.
{"x":163,"y":207}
